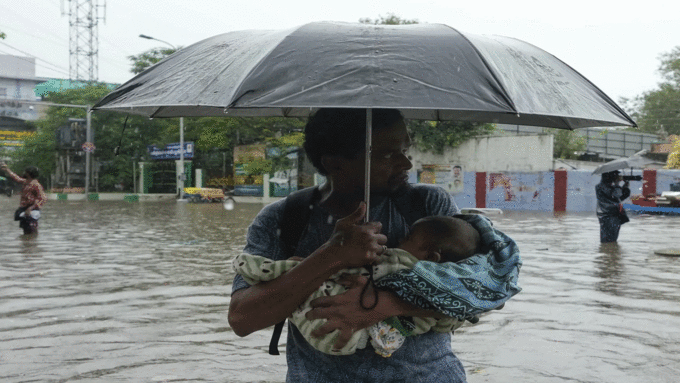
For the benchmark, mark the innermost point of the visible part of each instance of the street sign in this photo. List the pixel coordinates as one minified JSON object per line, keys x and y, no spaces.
{"x":171,"y":151}
{"x":88,"y":147}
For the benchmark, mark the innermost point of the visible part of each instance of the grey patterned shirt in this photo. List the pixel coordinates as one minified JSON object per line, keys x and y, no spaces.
{"x":422,"y":358}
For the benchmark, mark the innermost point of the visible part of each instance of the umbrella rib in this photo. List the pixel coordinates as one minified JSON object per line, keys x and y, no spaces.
{"x":302,"y":91}
{"x":504,"y":92}
{"x":471,"y":95}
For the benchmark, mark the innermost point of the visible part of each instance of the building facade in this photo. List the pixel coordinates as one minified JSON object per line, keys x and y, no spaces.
{"x":17,"y":100}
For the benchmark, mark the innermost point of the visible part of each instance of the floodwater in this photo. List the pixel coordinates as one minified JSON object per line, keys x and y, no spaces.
{"x":139,"y":292}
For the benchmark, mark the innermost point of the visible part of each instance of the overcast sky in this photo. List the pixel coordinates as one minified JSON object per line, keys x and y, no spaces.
{"x":615,"y":44}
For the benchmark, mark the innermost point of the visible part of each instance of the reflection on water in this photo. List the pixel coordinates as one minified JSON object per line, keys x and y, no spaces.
{"x":609,"y":267}
{"x":138,"y":292}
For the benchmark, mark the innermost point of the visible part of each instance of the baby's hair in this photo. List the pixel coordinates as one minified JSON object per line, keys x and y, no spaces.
{"x":454,"y":238}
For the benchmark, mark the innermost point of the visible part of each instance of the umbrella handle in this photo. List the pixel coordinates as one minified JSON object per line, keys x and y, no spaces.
{"x":367,"y":167}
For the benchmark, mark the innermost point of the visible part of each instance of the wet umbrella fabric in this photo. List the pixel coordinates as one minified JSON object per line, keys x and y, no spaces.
{"x":636,"y":161}
{"x":427,"y":71}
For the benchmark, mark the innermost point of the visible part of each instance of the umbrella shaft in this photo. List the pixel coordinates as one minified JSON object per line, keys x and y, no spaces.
{"x":367,"y":171}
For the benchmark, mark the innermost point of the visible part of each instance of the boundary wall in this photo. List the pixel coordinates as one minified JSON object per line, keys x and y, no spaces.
{"x":559,"y":190}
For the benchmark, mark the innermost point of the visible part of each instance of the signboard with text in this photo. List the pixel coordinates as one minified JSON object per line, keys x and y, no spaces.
{"x":171,"y":151}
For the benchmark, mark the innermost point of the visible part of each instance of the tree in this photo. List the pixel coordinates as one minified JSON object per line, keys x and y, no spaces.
{"x":673,"y":161}
{"x":435,"y":136}
{"x":391,"y":19}
{"x":149,"y":58}
{"x":568,"y":144}
{"x":658,"y":111}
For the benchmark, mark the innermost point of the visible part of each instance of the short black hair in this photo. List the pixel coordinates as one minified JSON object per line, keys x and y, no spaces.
{"x":342,"y":132}
{"x":32,"y":171}
{"x":454,"y":238}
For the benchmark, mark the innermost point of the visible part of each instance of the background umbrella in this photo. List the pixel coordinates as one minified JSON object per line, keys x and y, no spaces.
{"x":636,"y":161}
{"x":427,"y":71}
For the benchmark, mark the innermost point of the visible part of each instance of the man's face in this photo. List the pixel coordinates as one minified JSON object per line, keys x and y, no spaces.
{"x":389,"y":161}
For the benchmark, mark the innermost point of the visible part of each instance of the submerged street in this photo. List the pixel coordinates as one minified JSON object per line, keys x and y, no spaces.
{"x":139,"y":292}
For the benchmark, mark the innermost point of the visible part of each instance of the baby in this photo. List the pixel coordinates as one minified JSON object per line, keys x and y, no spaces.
{"x":434,"y":239}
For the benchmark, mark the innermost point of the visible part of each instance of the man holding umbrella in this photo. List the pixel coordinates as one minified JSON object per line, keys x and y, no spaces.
{"x":610,"y":211}
{"x":335,"y":238}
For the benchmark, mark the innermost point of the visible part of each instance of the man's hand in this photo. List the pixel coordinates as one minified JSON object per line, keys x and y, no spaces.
{"x":343,"y":312}
{"x":357,"y":243}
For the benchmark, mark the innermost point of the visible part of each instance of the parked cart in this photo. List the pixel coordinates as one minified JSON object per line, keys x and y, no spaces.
{"x":204,"y":194}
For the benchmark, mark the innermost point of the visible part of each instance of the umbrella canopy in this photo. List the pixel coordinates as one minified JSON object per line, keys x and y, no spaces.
{"x":427,"y":71}
{"x":635,"y":161}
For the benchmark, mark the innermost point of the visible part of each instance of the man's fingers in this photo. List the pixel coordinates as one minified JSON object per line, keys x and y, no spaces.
{"x":342,"y":340}
{"x":324,"y":329}
{"x":350,"y":280}
{"x":319,"y":303}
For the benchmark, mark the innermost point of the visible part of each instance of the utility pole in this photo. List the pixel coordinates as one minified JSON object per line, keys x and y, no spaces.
{"x":84,"y":38}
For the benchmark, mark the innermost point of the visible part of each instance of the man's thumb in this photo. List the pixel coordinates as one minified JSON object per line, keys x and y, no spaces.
{"x":358,"y":214}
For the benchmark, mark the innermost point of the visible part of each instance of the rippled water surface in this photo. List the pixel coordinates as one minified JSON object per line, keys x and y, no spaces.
{"x":139,"y":292}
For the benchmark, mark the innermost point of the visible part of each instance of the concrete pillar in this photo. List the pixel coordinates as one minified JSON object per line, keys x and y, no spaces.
{"x":265,"y":188}
{"x":560,"y":196}
{"x":198,"y":174}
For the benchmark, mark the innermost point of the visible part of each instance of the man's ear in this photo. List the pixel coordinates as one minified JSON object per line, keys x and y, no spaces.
{"x":331,"y":163}
{"x":433,"y":256}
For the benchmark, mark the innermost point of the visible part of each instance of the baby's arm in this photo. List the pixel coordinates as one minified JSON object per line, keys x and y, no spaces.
{"x":256,"y":268}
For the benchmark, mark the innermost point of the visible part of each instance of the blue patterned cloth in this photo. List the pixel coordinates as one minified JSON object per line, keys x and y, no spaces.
{"x":467,"y":288}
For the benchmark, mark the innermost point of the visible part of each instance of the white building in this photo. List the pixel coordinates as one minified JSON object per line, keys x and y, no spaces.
{"x":17,"y":86}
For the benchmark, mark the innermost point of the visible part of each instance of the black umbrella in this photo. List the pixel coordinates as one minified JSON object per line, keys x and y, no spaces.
{"x":427,"y":71}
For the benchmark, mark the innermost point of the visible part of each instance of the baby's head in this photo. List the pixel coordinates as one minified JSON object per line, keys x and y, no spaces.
{"x":441,"y":239}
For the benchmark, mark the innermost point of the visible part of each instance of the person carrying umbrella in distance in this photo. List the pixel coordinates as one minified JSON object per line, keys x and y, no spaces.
{"x":335,"y":238}
{"x":610,"y":193}
{"x":610,"y":211}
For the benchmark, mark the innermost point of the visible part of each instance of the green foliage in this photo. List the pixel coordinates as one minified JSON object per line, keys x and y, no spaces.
{"x":435,"y":136}
{"x":257,"y":166}
{"x":284,"y":145}
{"x":567,"y":144}
{"x":673,"y":161}
{"x":149,"y":58}
{"x":391,"y":19}
{"x":658,"y":111}
{"x":40,"y":149}
{"x":2,"y":35}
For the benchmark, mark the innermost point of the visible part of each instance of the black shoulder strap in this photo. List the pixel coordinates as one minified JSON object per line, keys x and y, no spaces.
{"x":296,"y":212}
